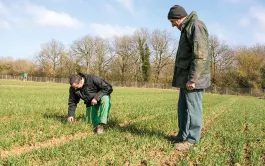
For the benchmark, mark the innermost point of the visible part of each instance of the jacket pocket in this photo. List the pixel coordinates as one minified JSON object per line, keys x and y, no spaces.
{"x":200,"y":50}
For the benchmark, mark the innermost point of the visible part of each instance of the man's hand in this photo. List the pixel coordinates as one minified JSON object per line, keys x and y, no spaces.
{"x":94,"y":101}
{"x":190,"y":85}
{"x":70,"y":119}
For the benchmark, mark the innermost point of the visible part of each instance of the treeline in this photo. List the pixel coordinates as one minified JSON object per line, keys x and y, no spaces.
{"x":142,"y":57}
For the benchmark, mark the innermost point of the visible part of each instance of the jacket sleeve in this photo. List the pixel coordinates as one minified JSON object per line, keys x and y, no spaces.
{"x":104,"y":87}
{"x":200,"y":50}
{"x":72,"y":102}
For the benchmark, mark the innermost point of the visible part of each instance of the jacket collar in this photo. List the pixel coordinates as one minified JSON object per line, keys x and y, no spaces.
{"x":83,"y":76}
{"x":192,"y":16}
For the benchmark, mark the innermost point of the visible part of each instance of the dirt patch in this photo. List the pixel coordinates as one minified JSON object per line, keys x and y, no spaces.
{"x":172,"y":159}
{"x":5,"y":119}
{"x":247,"y":151}
{"x":46,"y":144}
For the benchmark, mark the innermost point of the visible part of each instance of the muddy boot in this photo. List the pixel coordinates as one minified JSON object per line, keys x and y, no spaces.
{"x":183,"y":146}
{"x":100,"y":129}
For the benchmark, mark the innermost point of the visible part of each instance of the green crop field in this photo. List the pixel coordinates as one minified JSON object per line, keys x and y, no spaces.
{"x":34,"y":129}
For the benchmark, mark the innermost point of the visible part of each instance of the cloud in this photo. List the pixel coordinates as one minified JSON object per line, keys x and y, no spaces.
{"x":254,"y":21}
{"x":4,"y":24}
{"x":244,"y":22}
{"x":25,"y":14}
{"x":220,"y":30}
{"x":217,"y":30}
{"x":258,"y":16}
{"x":3,"y":9}
{"x":48,"y":18}
{"x":258,"y":13}
{"x":110,"y":30}
{"x":128,"y":4}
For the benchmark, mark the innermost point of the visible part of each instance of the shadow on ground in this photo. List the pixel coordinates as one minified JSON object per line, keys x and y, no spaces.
{"x":133,"y":129}
{"x":113,"y":123}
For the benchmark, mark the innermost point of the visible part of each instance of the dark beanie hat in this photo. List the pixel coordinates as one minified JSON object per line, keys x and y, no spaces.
{"x":176,"y":12}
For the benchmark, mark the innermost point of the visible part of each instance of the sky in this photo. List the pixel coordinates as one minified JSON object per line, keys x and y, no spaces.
{"x":25,"y":25}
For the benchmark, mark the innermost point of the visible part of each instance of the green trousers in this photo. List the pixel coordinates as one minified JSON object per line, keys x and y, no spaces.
{"x":99,"y":117}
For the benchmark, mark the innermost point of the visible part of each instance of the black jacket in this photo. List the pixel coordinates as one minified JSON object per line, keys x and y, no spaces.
{"x":94,"y":87}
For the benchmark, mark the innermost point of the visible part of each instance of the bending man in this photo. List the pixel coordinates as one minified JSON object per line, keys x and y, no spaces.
{"x":96,"y":95}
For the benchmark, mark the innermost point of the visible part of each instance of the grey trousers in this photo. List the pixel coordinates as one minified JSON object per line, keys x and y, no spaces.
{"x":190,"y":114}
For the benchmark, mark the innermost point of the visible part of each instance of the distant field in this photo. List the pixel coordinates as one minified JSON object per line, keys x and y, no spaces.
{"x":34,"y":129}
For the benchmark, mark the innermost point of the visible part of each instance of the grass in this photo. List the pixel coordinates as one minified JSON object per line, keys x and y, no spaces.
{"x":34,"y":129}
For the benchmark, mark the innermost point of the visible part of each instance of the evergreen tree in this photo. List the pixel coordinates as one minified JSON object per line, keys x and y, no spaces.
{"x":146,"y":64}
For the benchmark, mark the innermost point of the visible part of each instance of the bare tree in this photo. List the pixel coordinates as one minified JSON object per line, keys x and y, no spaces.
{"x":50,"y":56}
{"x":126,"y":52}
{"x":163,"y":47}
{"x":219,"y":55}
{"x":104,"y":54}
{"x":84,"y":48}
{"x":6,"y":65}
{"x":20,"y":66}
{"x":71,"y":65}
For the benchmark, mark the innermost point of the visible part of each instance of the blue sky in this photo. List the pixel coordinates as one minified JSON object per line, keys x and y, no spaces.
{"x":27,"y":24}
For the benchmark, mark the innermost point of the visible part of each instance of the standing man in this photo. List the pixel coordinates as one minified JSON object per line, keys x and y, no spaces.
{"x":191,"y":74}
{"x":96,"y":95}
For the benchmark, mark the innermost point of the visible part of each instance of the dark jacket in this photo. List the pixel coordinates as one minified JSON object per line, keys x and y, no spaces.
{"x":94,"y":87}
{"x":193,"y":59}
